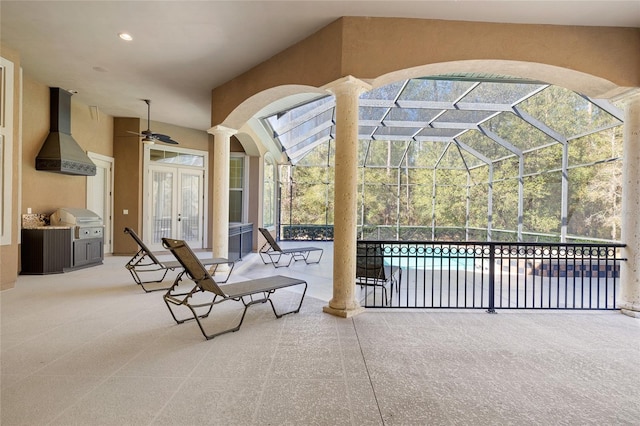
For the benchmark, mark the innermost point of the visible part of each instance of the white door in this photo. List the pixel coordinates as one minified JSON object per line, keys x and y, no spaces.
{"x":100,"y":195}
{"x":176,"y":205}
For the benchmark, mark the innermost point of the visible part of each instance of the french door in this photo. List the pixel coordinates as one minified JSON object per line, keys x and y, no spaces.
{"x":176,"y":205}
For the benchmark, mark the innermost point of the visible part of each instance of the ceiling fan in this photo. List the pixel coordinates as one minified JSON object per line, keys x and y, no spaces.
{"x":149,"y":137}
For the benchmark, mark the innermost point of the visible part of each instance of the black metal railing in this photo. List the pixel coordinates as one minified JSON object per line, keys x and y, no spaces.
{"x":307,"y":232}
{"x":496,"y":275}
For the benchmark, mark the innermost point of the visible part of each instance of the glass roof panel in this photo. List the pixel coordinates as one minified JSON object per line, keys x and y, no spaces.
{"x":500,"y":93}
{"x":484,"y":145}
{"x":372,"y":113}
{"x":422,"y":115}
{"x":407,"y":132}
{"x":431,"y":132}
{"x":567,"y":112}
{"x":459,"y":116}
{"x":518,"y":132}
{"x":388,"y":92}
{"x":317,"y":124}
{"x":303,"y":147}
{"x":434,"y":90}
{"x":320,"y":155}
{"x":438,"y":110}
{"x":596,"y":147}
{"x":365,"y":132}
{"x":285,"y":118}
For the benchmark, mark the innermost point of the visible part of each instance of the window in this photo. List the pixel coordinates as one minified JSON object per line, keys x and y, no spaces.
{"x":179,"y":158}
{"x":269,"y":201}
{"x":236,"y":188}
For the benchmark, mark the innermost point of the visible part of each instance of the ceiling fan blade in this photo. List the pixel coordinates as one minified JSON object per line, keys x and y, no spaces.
{"x":149,"y":136}
{"x":134,"y":133}
{"x":164,"y":138}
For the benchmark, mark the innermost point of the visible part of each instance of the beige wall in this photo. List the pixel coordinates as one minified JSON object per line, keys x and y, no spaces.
{"x":393,"y":44}
{"x":597,"y":61}
{"x":128,"y":176}
{"x":127,"y":184}
{"x":9,"y":254}
{"x":44,"y":192}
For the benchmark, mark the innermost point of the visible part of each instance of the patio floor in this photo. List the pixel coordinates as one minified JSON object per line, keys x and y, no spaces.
{"x":89,"y":347}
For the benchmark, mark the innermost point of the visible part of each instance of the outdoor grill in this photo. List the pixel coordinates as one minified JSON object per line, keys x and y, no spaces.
{"x":85,"y":223}
{"x":87,"y":230}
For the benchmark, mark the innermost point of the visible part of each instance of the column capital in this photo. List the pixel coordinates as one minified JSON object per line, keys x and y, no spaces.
{"x":222,"y":130}
{"x":348,"y":84}
{"x":629,"y":97}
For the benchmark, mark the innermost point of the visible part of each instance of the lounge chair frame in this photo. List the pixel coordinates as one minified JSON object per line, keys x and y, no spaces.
{"x":248,"y":292}
{"x":371,"y":270}
{"x":144,"y":262}
{"x":271,"y":252}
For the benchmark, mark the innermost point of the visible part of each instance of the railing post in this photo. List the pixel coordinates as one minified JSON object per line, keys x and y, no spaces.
{"x":492,"y":279}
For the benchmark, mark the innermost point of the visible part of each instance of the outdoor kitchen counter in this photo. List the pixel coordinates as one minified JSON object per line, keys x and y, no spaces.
{"x":46,"y":249}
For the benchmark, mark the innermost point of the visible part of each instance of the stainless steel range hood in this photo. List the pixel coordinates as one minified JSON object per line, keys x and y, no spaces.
{"x":60,"y":153}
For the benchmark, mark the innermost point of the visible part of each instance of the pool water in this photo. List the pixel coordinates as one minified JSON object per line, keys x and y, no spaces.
{"x":430,"y":258}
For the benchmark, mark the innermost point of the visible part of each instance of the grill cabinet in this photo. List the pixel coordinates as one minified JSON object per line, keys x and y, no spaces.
{"x":88,"y":235}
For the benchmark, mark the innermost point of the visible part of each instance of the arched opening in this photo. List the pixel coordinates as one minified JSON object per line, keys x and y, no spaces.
{"x":464,"y":157}
{"x":461,"y":158}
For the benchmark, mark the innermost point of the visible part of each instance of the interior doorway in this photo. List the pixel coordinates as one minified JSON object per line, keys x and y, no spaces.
{"x":100,"y":195}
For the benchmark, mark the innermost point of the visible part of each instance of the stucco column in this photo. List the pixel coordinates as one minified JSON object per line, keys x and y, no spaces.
{"x":347,"y":92}
{"x":220,"y":190}
{"x":629,"y":300}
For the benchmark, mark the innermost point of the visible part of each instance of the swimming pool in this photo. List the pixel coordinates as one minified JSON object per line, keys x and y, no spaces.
{"x":429,"y":257}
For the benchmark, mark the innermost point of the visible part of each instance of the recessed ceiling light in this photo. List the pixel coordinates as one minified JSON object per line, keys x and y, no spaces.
{"x":125,"y":36}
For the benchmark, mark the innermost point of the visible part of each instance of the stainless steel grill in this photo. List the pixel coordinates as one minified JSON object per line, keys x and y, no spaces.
{"x":86,"y":224}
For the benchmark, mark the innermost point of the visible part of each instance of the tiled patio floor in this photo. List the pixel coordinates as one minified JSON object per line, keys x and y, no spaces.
{"x":89,"y":347}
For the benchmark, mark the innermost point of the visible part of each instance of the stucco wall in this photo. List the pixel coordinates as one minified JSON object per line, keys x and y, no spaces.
{"x":597,"y":61}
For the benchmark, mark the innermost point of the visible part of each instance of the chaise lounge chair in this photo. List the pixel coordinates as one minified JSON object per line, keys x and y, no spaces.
{"x":244,"y":291}
{"x":145,"y":262}
{"x":271,"y":252}
{"x":372,"y":271}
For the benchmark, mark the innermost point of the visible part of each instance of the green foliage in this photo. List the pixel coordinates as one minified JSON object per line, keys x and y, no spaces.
{"x":406,"y":187}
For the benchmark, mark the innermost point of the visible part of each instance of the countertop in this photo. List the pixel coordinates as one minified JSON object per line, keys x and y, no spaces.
{"x":47,"y":227}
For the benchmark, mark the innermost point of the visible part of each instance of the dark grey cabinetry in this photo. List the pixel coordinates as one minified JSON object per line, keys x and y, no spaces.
{"x":45,"y":251}
{"x":87,"y":252}
{"x":240,"y":240}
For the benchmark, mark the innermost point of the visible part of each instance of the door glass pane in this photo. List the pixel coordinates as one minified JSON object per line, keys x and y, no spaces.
{"x":162,"y":204}
{"x":190,"y":209}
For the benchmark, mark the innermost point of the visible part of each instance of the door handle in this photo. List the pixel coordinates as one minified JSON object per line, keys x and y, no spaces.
{"x":179,"y":217}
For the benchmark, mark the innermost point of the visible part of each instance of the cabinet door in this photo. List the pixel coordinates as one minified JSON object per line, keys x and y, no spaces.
{"x":87,"y":251}
{"x":95,"y":251}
